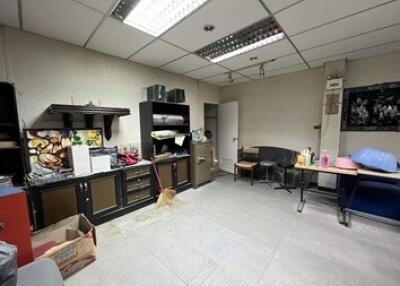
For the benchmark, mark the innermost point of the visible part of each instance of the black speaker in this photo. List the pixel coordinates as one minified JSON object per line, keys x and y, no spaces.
{"x":176,"y":95}
{"x":156,"y":93}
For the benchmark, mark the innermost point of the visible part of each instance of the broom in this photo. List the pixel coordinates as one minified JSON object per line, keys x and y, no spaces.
{"x":166,"y":195}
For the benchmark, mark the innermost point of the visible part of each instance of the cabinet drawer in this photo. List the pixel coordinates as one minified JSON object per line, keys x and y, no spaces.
{"x":138,"y":196}
{"x":138,"y":184}
{"x":137,"y":172}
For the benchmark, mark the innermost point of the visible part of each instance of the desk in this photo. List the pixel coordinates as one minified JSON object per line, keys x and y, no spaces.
{"x":330,"y":170}
{"x":344,"y":211}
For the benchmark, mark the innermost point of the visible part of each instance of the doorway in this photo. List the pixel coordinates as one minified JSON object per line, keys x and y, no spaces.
{"x":211,"y":124}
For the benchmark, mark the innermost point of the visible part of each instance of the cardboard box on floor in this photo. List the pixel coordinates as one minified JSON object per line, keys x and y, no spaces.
{"x":71,"y":243}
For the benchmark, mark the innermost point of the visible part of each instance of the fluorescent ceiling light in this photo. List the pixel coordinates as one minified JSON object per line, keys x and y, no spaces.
{"x":155,"y":16}
{"x":250,"y":47}
{"x":259,"y":34}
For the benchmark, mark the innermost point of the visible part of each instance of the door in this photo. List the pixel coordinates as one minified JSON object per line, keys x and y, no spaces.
{"x":102,"y":196}
{"x":58,"y":203}
{"x":165,"y":173}
{"x":182,"y":172}
{"x":228,"y":135}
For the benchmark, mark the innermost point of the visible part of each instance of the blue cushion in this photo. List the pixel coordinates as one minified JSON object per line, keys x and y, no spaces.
{"x":375,"y":159}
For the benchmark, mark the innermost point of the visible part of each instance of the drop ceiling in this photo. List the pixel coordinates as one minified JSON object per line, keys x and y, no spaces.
{"x":318,"y":31}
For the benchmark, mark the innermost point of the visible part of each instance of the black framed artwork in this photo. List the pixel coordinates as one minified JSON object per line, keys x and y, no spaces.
{"x":372,"y":108}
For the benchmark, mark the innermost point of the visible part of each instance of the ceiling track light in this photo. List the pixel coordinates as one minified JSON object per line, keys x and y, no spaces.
{"x":259,"y":34}
{"x":154,"y":17}
{"x":230,"y":78}
{"x":262,"y":71}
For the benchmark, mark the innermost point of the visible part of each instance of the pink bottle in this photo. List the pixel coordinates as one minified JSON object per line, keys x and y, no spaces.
{"x":324,"y":159}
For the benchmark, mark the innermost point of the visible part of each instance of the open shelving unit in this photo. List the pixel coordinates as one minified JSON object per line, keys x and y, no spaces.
{"x":174,"y":172}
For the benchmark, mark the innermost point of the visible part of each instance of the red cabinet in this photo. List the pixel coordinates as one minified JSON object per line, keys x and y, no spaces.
{"x":14,"y":222}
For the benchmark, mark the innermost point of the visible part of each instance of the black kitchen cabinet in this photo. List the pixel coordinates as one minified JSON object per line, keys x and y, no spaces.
{"x":101,"y":197}
{"x":174,"y":173}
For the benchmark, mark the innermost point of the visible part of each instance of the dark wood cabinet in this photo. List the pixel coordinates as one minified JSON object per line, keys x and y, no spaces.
{"x":175,"y":173}
{"x":57,"y":203}
{"x":100,"y":197}
{"x":10,"y":147}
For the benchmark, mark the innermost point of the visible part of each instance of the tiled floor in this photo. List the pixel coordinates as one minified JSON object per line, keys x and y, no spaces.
{"x":227,"y":233}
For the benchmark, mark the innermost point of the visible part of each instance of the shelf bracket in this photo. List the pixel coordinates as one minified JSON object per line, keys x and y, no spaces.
{"x":67,"y":120}
{"x":108,"y":119}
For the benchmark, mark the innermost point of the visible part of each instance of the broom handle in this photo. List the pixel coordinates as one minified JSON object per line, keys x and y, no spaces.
{"x":158,"y":178}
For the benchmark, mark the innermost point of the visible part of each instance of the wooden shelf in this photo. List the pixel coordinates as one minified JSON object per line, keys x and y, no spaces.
{"x":89,"y":112}
{"x":83,"y":109}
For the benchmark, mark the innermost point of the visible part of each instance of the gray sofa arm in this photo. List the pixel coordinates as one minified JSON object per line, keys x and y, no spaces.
{"x":42,"y":272}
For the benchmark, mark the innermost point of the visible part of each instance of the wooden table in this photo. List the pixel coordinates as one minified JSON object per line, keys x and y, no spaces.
{"x":344,"y":211}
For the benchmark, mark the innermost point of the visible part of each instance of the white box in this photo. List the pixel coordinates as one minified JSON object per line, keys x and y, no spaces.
{"x":79,"y":159}
{"x":100,"y":163}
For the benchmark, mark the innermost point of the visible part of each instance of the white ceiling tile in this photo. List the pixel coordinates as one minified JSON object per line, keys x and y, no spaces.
{"x":373,"y":19}
{"x":363,"y":41}
{"x":157,"y":54}
{"x":228,"y":16}
{"x":186,"y":64}
{"x":269,"y":52}
{"x":277,"y":5}
{"x":117,"y":39}
{"x":206,"y":72}
{"x":9,"y":13}
{"x":312,"y":13}
{"x":290,"y":69}
{"x":368,"y":52}
{"x":64,"y":20}
{"x":222,"y":78}
{"x":286,"y":61}
{"x":100,"y":5}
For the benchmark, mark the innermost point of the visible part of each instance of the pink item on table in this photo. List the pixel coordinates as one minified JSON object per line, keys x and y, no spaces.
{"x":345,"y":163}
{"x":324,"y":159}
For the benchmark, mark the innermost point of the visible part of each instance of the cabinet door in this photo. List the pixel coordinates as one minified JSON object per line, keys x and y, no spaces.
{"x":58,"y":203}
{"x":102,"y":196}
{"x":182,"y":172}
{"x":165,"y":172}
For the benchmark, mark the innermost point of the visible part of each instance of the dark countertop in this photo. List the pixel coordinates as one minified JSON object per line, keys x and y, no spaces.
{"x":71,"y":177}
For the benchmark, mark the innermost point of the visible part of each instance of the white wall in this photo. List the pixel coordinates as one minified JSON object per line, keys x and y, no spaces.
{"x":47,"y":71}
{"x":279,"y":111}
{"x":368,"y":71}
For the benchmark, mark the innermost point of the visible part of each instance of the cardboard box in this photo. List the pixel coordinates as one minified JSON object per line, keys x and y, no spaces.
{"x":71,"y":243}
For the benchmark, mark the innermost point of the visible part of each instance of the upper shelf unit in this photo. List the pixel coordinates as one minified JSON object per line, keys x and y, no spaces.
{"x":89,"y":113}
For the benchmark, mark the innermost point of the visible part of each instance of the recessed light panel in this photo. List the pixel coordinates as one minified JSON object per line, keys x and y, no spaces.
{"x":155,"y":16}
{"x":257,"y":35}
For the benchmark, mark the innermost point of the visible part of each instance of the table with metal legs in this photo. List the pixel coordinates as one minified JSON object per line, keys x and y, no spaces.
{"x":340,"y":192}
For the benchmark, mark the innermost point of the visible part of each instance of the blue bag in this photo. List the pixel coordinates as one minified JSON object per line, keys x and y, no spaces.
{"x":375,"y":159}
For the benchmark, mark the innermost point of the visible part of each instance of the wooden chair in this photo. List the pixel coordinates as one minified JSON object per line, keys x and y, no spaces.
{"x":248,"y":161}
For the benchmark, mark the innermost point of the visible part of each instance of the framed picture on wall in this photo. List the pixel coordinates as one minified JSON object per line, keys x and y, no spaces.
{"x":372,"y":108}
{"x":47,"y":149}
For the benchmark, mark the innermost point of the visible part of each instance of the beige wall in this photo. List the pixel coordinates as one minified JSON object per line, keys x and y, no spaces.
{"x":368,"y":71}
{"x":279,"y":111}
{"x":46,"y":71}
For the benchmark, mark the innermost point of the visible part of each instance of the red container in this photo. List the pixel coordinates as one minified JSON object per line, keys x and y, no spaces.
{"x":14,"y":222}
